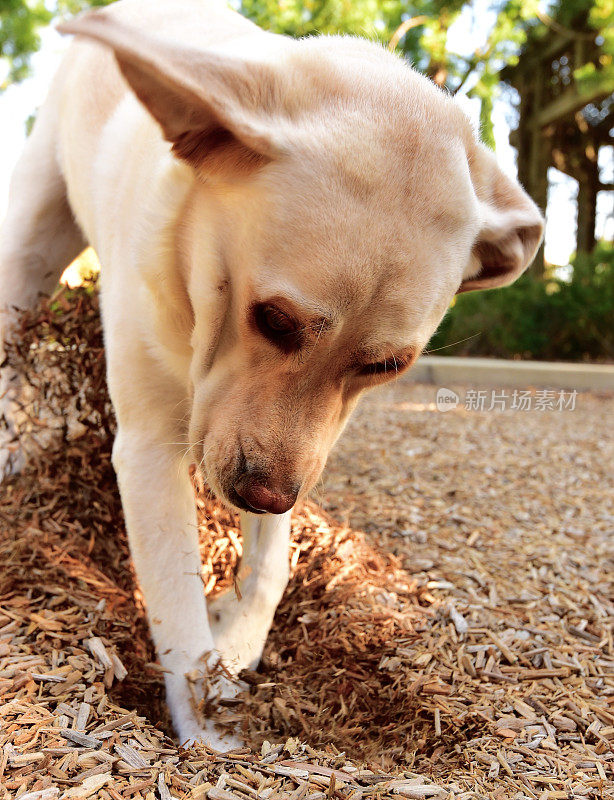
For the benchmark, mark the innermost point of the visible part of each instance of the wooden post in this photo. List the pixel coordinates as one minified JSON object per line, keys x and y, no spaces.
{"x":553,"y":129}
{"x":588,"y":186}
{"x":537,"y":167}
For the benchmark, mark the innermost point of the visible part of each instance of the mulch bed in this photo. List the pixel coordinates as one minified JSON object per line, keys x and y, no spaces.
{"x":452,"y":637}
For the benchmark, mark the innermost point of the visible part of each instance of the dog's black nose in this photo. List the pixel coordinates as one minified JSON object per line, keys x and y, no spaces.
{"x":262,"y":496}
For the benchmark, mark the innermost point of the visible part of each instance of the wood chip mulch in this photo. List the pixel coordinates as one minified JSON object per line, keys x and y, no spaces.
{"x":447,"y":631}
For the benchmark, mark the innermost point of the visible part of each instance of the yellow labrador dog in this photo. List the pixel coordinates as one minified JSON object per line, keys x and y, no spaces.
{"x":281,"y":225}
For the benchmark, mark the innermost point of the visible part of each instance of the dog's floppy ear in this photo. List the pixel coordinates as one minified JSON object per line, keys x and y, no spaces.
{"x":511,"y":231}
{"x":214,"y":109}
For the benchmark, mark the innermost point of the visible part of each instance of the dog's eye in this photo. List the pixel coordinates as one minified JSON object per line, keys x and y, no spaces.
{"x":276,"y":326}
{"x":390,"y":366}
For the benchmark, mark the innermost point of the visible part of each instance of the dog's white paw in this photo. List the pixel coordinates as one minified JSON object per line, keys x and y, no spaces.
{"x":192,"y":734}
{"x":184,"y":697}
{"x":191,"y":730}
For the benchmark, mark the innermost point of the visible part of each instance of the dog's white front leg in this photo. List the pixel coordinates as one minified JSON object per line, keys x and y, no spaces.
{"x":160,"y":510}
{"x":241,"y":621}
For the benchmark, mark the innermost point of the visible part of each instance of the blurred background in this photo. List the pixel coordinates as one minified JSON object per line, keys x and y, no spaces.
{"x":537,"y":78}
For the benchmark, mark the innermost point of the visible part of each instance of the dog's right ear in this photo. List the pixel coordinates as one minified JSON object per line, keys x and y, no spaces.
{"x":214,"y":109}
{"x":512,"y":226}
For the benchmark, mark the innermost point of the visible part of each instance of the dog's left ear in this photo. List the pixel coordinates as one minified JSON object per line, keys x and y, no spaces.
{"x":217,"y":111}
{"x":511,"y":231}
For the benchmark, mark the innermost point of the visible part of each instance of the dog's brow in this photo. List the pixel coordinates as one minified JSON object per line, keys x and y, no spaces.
{"x":306,"y":307}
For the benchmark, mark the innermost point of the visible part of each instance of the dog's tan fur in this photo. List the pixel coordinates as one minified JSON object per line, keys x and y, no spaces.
{"x":323,"y":180}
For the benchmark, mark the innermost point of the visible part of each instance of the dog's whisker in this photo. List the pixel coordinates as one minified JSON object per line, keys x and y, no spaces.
{"x":452,"y":344}
{"x":190,"y":448}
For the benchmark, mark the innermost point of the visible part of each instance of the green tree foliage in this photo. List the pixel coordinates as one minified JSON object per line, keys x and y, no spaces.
{"x":20,"y":24}
{"x":601,"y":19}
{"x":295,"y":18}
{"x":20,"y":21}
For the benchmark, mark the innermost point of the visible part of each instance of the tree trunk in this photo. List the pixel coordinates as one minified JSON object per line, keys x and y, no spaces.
{"x":588,"y":186}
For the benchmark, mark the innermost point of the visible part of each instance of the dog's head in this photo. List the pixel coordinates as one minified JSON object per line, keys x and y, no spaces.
{"x":346,"y":200}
